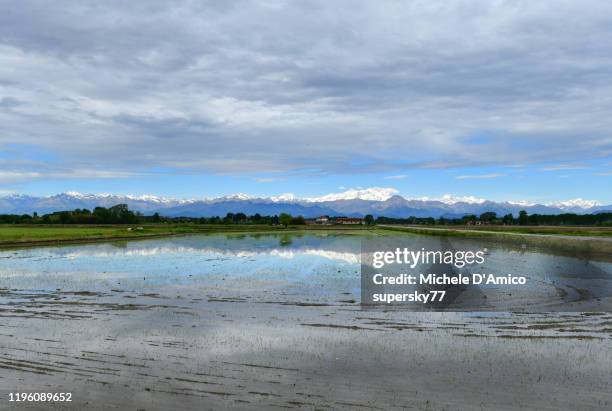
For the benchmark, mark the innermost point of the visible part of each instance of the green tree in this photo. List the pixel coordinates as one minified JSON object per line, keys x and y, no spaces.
{"x":122,"y":215}
{"x":488,"y":216}
{"x":508,"y":219}
{"x":369,"y":219}
{"x":523,"y":218}
{"x":285,"y":219}
{"x":299,"y":220}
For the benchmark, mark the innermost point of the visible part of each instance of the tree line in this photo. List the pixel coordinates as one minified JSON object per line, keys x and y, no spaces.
{"x":121,"y":214}
{"x":491,"y":218}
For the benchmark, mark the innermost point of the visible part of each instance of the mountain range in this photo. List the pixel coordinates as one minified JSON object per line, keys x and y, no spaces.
{"x":355,"y":203}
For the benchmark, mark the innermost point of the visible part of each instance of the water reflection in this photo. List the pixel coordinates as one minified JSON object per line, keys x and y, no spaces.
{"x":305,"y":262}
{"x":232,"y":260}
{"x":343,"y":248}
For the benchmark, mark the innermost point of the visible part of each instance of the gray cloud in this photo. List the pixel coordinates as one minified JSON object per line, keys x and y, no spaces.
{"x":19,"y":171}
{"x":307,"y":87}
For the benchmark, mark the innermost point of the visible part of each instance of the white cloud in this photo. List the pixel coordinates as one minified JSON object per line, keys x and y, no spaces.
{"x":269,"y":179}
{"x":13,"y":176}
{"x":480,"y":176}
{"x":396,"y":177}
{"x":563,"y":167}
{"x":22,"y":171}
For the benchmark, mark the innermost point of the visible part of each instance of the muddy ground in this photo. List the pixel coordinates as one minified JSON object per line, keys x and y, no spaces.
{"x":190,"y":350}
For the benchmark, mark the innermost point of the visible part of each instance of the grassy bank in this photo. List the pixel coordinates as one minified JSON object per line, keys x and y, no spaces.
{"x":475,"y":230}
{"x":25,"y":235}
{"x":575,"y":241}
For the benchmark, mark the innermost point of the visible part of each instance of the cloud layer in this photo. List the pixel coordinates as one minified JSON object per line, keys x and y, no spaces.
{"x":309,"y":87}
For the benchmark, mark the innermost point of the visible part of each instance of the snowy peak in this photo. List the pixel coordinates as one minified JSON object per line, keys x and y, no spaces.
{"x":353,"y":202}
{"x":237,"y":196}
{"x":145,"y":197}
{"x":575,"y":203}
{"x":371,"y":194}
{"x":522,"y":203}
{"x":285,"y":197}
{"x":451,"y":199}
{"x":74,"y":194}
{"x":380,"y":194}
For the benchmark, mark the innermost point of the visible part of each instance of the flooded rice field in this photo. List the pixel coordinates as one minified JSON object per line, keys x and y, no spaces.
{"x":275,"y":321}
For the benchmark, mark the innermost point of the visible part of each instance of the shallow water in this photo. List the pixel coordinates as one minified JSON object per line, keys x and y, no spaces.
{"x":255,"y":321}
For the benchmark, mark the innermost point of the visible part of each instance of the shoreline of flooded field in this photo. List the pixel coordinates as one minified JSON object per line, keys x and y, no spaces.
{"x":209,"y":322}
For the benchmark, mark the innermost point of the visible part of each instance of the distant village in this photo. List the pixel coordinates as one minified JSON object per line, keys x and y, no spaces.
{"x":326,"y":220}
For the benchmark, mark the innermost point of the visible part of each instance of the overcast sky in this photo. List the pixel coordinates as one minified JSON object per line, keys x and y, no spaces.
{"x":498,"y":99}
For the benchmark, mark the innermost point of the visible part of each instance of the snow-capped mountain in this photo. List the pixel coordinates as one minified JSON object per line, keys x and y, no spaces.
{"x":23,"y":204}
{"x":450,"y":199}
{"x":355,"y":202}
{"x":371,"y":194}
{"x":576,"y":204}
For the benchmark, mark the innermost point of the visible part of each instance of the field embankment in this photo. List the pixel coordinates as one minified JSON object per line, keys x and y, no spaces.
{"x":33,"y":235}
{"x":587,"y":242}
{"x":579,"y":231}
